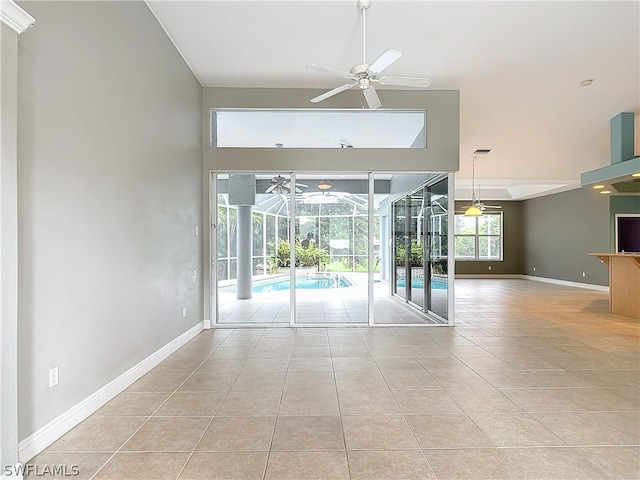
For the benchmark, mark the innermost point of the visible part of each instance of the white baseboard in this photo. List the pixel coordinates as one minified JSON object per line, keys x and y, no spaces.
{"x":45,"y":436}
{"x":590,"y":286}
{"x":207,"y":324}
{"x":488,"y":275}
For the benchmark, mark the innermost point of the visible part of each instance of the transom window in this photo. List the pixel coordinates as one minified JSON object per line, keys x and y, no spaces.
{"x":478,"y":238}
{"x":318,"y":128}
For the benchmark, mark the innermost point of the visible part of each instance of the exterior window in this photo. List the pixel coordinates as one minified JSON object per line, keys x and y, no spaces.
{"x":478,"y":238}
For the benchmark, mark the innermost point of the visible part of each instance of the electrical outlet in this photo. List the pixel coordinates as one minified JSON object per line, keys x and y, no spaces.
{"x":584,"y":274}
{"x":195,"y":273}
{"x":534,"y":269}
{"x":197,"y":230}
{"x":53,"y":377}
{"x":489,"y":267}
{"x":184,"y":311}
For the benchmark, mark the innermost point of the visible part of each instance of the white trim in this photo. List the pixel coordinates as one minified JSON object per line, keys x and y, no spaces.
{"x":370,"y":233}
{"x":207,"y":325}
{"x":590,"y":286}
{"x":489,"y":275}
{"x":45,"y":436}
{"x":292,"y":250}
{"x":15,"y":17}
{"x":451,"y":247}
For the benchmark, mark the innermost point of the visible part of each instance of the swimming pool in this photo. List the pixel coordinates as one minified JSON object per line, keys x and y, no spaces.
{"x":305,"y":283}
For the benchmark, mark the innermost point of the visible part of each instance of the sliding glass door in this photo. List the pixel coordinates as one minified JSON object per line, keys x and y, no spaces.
{"x":420,"y":248}
{"x":315,"y":249}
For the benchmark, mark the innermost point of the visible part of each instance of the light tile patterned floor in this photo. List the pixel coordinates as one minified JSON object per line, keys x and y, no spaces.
{"x":536,"y":381}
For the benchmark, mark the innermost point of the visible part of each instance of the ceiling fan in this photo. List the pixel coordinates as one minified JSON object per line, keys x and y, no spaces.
{"x":365,"y":75}
{"x":279,"y":185}
{"x":476,"y":208}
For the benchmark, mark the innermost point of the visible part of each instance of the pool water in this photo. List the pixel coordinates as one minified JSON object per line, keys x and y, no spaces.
{"x":309,"y":283}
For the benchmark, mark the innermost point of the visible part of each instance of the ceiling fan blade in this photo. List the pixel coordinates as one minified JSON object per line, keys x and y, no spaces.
{"x":333,"y":92}
{"x":288,"y":185}
{"x":330,"y":71}
{"x":371,"y":97}
{"x":406,"y":81}
{"x":270,"y":189}
{"x":384,"y":60}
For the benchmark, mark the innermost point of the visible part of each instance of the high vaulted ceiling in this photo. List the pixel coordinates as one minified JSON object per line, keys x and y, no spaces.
{"x":518,"y":66}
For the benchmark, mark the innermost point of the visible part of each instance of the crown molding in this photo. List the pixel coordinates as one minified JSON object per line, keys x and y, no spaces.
{"x":15,"y":17}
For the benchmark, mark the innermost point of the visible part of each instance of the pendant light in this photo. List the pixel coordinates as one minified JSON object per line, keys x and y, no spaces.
{"x":473,"y":210}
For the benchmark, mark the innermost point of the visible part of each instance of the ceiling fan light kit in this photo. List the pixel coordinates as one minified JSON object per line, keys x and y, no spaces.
{"x":365,"y":75}
{"x":325,"y":185}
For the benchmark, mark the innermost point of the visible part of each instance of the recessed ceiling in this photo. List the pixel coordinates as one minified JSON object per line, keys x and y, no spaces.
{"x":518,"y":66}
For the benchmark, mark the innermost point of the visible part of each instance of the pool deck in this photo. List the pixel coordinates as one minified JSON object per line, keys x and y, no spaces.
{"x":327,"y":306}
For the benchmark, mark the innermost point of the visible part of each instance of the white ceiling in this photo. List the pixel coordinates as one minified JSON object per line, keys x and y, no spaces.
{"x":518,"y":66}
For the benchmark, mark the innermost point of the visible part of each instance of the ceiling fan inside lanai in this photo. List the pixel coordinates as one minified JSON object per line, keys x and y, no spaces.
{"x":365,"y":75}
{"x":279,"y":185}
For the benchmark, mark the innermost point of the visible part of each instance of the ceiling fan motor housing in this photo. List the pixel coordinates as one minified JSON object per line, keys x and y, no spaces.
{"x":361,"y":70}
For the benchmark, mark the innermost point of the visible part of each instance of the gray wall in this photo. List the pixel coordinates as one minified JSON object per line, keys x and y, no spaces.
{"x":110,"y":191}
{"x":559,"y":232}
{"x":512,"y":245}
{"x":441,"y":155}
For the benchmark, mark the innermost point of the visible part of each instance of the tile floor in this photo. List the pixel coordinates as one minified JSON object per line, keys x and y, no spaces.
{"x":536,"y":381}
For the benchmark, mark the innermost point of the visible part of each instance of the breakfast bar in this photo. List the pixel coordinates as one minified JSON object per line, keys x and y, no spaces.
{"x":624,"y":282}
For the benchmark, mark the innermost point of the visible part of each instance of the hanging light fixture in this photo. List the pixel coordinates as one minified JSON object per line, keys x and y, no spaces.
{"x":473,"y":210}
{"x":324,"y":184}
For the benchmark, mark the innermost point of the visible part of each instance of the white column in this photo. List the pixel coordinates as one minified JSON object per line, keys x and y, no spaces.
{"x":244,"y":289}
{"x":9,"y":248}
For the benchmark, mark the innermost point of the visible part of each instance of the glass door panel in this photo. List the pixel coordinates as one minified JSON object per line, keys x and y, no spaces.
{"x":400,"y":237}
{"x":331,"y":264}
{"x":437,"y":248}
{"x":251,"y":257}
{"x":419,"y":250}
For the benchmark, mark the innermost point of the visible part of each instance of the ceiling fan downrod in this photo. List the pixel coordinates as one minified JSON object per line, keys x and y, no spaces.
{"x":473,"y":181}
{"x":363,"y":5}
